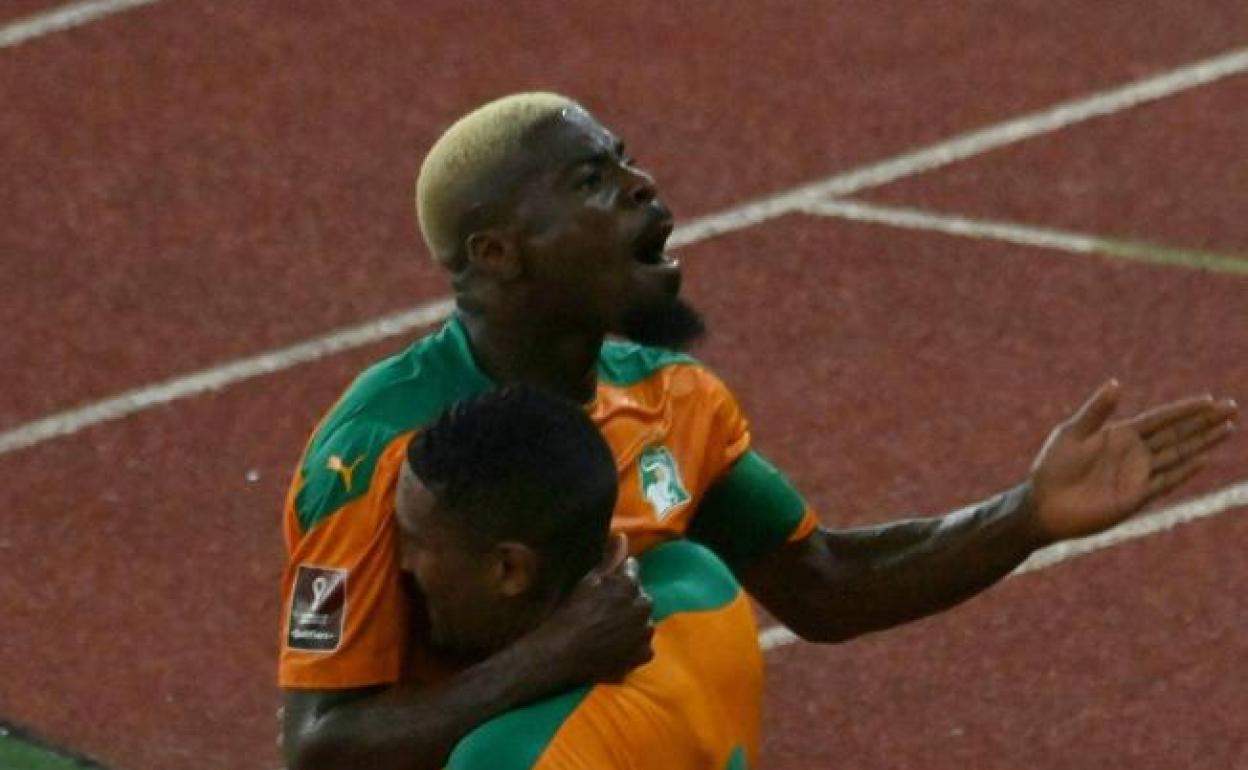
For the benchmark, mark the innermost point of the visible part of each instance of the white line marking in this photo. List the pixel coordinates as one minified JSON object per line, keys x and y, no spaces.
{"x":968,"y":145}
{"x":62,"y":18}
{"x":1026,"y":235}
{"x":736,"y":218}
{"x":216,"y":378}
{"x":1212,"y":504}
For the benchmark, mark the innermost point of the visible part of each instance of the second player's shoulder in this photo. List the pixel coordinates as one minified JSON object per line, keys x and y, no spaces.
{"x":519,"y":739}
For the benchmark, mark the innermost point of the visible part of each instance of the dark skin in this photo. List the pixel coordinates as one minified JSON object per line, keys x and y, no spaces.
{"x":489,"y":615}
{"x":569,"y":252}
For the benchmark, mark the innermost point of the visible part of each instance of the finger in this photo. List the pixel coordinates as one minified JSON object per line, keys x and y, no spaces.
{"x":616,"y":554}
{"x":1180,"y":430}
{"x":1223,"y":412}
{"x":1192,"y":446}
{"x":1166,"y":481}
{"x":1096,"y":410}
{"x":1158,"y":418}
{"x":612,"y":559}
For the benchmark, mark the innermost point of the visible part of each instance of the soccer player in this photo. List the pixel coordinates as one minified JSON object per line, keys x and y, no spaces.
{"x":503,"y":506}
{"x":554,"y":239}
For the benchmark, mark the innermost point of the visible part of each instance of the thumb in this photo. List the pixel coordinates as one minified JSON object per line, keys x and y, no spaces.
{"x":1097,"y":410}
{"x":617,"y":552}
{"x":613,"y":557}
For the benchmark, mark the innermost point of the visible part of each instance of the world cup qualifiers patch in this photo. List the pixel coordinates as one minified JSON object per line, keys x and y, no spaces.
{"x":317,"y":609}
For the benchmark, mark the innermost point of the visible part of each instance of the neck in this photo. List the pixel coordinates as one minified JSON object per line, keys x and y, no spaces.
{"x":512,"y":347}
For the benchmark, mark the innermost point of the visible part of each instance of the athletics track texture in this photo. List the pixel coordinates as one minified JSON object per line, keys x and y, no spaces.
{"x":192,"y":183}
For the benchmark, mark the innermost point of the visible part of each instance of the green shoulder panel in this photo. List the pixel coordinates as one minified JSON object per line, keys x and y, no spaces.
{"x":679,"y":576}
{"x":683,"y":576}
{"x":516,"y":740}
{"x":394,"y":396}
{"x":626,"y":363}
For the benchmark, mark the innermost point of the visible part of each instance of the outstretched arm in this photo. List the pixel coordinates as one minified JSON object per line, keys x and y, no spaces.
{"x":1090,"y":475}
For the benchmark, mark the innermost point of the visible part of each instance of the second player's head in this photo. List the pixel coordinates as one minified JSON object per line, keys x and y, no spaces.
{"x":504,"y":503}
{"x":534,"y":205}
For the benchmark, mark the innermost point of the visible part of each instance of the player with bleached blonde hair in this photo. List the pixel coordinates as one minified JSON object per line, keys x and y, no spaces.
{"x":555,"y":243}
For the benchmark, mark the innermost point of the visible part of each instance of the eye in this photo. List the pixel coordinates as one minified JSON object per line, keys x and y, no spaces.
{"x":590,"y":181}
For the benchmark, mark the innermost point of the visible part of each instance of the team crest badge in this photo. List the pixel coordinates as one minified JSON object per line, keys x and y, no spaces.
{"x":661,"y":484}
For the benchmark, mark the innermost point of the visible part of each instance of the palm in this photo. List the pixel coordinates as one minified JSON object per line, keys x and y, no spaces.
{"x":1091,"y":475}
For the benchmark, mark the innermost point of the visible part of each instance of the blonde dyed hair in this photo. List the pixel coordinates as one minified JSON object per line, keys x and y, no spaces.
{"x":465,"y":156}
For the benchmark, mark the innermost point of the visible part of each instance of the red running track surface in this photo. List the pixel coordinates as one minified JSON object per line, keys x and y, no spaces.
{"x":193,"y":182}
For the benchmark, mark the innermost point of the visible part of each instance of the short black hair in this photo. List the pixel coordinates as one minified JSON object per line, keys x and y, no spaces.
{"x":519,"y":463}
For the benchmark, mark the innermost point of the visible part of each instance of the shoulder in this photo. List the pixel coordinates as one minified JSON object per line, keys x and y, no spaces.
{"x":627,"y":363}
{"x":518,"y":739}
{"x":657,"y":376}
{"x":682,"y":576}
{"x":385,"y":403}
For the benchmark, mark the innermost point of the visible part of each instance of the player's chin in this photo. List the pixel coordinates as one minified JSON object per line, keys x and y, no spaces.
{"x":662,"y":320}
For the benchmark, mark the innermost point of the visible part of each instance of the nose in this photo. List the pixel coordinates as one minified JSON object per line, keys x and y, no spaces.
{"x":641,"y":188}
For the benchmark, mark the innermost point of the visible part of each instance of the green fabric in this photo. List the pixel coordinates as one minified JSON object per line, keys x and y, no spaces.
{"x":679,"y":576}
{"x":737,"y":760}
{"x":748,"y":513}
{"x":517,"y":739}
{"x":396,"y":395}
{"x":682,"y":576}
{"x":409,"y":390}
{"x":627,"y":363}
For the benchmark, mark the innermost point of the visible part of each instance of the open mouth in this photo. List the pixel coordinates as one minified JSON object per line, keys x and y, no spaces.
{"x":651,"y":246}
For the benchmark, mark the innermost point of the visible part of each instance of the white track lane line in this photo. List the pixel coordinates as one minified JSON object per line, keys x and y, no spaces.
{"x":218,"y":377}
{"x":739,"y":217}
{"x":1212,"y":504}
{"x":62,"y":18}
{"x":968,"y":145}
{"x":1026,"y":235}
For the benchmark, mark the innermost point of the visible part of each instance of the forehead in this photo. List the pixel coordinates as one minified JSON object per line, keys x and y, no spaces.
{"x":570,"y":137}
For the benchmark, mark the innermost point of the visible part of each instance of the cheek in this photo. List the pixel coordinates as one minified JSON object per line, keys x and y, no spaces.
{"x":452,"y":588}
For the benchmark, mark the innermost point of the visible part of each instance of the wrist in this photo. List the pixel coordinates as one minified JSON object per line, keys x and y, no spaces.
{"x":1032,"y":534}
{"x":541,"y":662}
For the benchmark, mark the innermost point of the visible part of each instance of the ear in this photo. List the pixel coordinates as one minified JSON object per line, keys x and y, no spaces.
{"x":493,"y":252}
{"x":516,"y":569}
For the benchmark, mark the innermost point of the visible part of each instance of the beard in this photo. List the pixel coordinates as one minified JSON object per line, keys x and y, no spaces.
{"x":669,"y":322}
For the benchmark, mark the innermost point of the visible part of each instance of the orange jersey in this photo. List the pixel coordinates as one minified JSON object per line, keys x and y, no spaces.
{"x":694,"y":706}
{"x":682,"y":448}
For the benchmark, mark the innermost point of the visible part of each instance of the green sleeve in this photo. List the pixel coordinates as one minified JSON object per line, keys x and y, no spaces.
{"x":750,"y":511}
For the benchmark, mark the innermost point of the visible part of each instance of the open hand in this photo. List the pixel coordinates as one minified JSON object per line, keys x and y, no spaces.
{"x":1092,"y":474}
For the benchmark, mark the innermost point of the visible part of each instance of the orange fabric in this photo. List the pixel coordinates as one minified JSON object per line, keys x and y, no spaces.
{"x":699,"y":698}
{"x":685,"y":409}
{"x":362,"y":539}
{"x":682,"y":407}
{"x":804,"y":529}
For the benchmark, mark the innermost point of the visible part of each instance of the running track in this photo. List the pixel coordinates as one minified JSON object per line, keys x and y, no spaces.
{"x":193,"y":184}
